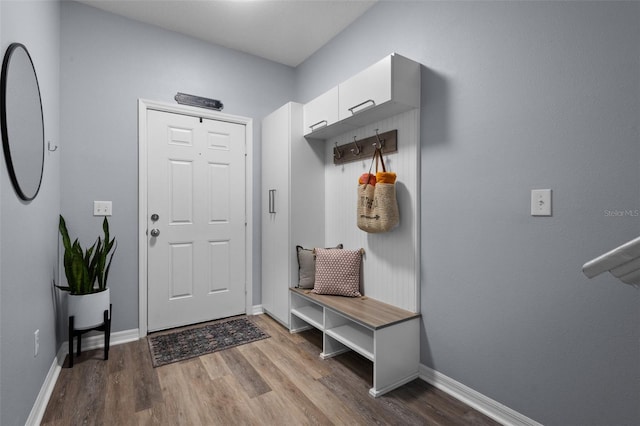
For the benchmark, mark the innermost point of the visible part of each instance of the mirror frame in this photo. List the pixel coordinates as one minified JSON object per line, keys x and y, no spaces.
{"x":4,"y":125}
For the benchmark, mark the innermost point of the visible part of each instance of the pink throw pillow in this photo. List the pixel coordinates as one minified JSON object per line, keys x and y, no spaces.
{"x":338,"y":272}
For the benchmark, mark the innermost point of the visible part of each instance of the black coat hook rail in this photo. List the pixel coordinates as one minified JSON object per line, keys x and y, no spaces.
{"x":347,"y":153}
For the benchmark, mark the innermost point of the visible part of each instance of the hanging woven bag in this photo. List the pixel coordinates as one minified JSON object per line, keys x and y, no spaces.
{"x":377,"y":203}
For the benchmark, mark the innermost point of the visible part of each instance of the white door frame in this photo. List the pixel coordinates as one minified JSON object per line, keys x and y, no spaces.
{"x":143,"y":106}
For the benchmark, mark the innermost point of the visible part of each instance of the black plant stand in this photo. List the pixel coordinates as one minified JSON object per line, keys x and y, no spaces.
{"x":105,"y":326}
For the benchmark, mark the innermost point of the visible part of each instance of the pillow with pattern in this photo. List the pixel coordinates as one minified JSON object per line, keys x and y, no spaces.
{"x":307,"y":266}
{"x":338,"y":272}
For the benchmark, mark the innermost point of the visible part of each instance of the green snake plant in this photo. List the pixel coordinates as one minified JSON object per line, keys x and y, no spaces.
{"x":86,"y":270}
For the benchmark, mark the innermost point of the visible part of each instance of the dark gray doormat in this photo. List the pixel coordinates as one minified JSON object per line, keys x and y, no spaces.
{"x":193,"y":342}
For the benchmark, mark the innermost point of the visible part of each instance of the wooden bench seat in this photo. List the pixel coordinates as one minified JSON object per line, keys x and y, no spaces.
{"x":385,"y":334}
{"x":370,"y":312}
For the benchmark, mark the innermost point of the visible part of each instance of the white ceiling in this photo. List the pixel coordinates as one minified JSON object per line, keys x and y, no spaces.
{"x":284,"y":31}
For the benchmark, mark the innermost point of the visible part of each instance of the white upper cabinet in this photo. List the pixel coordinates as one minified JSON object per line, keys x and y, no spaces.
{"x":321,"y":112}
{"x":386,"y":88}
{"x":366,"y":89}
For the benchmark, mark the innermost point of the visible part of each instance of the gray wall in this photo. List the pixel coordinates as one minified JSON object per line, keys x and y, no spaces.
{"x":518,"y":96}
{"x":28,"y":230}
{"x":107,"y":63}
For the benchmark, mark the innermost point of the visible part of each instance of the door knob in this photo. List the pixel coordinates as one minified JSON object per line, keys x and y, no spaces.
{"x":155,"y":232}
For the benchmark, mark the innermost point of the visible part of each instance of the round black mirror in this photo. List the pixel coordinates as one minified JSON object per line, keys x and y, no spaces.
{"x":22,"y":121}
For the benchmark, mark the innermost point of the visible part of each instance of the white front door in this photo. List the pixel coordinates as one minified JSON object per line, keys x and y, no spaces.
{"x":195,"y":218}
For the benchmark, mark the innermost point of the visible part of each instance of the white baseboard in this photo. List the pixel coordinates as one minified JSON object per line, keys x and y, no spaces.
{"x":88,"y":343}
{"x":96,"y":341}
{"x":257,"y":310}
{"x":40,"y":405}
{"x":475,"y":399}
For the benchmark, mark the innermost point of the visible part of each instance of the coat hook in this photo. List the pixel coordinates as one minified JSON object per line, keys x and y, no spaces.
{"x":380,"y":143}
{"x":49,"y":147}
{"x":356,"y":150}
{"x":337,"y":154}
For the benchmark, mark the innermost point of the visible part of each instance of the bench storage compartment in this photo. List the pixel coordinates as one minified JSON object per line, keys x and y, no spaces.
{"x":384,"y":334}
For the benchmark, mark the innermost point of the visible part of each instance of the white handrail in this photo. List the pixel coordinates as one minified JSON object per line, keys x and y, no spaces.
{"x":622,"y":262}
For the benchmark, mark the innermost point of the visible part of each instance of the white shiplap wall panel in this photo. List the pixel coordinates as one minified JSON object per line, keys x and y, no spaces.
{"x":391,"y":269}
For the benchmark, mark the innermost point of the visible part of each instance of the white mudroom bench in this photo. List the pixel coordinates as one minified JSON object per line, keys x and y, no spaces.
{"x":384,"y":334}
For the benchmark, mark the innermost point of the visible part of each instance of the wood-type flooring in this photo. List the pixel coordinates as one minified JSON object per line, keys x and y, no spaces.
{"x":276,"y":381}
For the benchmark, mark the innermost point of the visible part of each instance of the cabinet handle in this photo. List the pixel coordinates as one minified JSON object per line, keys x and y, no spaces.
{"x":312,"y":127}
{"x":272,"y":201}
{"x":373,"y":103}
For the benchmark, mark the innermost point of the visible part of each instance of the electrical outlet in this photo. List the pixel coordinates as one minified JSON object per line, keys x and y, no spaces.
{"x":36,"y":342}
{"x":102,"y":208}
{"x":540,"y":202}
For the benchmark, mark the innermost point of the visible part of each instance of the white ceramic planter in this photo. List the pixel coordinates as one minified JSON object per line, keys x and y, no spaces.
{"x":88,"y":309}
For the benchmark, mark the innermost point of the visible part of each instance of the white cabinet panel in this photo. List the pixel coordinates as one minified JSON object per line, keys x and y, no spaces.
{"x":366,"y":89}
{"x":292,"y":204}
{"x":389,"y":87}
{"x":321,"y":112}
{"x":275,"y":207}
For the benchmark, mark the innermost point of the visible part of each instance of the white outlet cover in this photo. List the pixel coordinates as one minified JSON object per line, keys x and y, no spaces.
{"x":102,"y":208}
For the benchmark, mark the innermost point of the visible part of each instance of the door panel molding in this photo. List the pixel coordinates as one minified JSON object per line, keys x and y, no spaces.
{"x":144,"y":105}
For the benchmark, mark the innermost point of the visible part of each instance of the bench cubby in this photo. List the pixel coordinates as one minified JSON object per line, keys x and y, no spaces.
{"x":382,"y":333}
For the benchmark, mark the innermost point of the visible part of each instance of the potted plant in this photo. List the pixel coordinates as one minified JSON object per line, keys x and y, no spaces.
{"x":87,"y":272}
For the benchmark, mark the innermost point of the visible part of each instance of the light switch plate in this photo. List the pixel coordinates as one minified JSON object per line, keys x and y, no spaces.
{"x":540,"y":202}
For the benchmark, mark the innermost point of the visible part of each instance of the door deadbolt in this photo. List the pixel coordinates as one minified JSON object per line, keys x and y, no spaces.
{"x":155,"y":217}
{"x":155,"y":232}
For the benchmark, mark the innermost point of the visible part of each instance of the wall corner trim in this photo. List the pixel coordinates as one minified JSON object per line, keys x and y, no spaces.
{"x":90,"y":342}
{"x":475,"y":399}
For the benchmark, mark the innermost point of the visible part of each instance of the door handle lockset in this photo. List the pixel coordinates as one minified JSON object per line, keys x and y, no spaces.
{"x":155,"y":232}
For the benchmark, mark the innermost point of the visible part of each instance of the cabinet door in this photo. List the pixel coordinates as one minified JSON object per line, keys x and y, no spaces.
{"x":321,"y":112}
{"x":275,"y":208}
{"x":366,"y":89}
